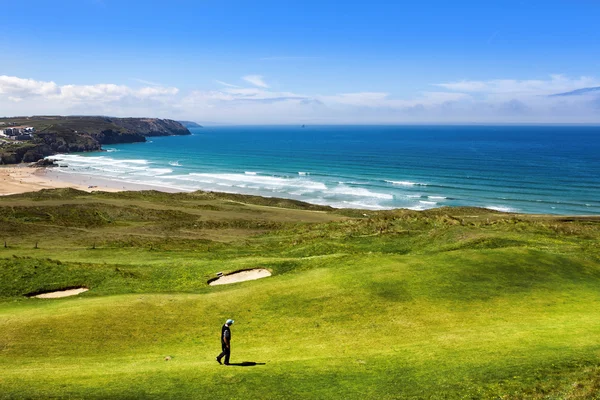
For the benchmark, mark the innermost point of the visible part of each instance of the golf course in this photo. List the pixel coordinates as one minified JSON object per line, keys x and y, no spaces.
{"x":448,"y":303}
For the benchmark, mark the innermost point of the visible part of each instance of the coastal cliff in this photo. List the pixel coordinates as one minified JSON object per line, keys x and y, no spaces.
{"x":190,"y":124}
{"x":57,"y":134}
{"x":152,"y":126}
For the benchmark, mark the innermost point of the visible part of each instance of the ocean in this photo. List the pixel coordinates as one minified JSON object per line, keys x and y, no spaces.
{"x":526,"y":169}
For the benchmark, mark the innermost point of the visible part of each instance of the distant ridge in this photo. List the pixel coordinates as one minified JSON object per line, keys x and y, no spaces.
{"x":190,"y":124}
{"x":578,"y":92}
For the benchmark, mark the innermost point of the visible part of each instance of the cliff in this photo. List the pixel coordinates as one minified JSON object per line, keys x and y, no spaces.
{"x":57,"y":134}
{"x":152,"y":126}
{"x":190,"y":124}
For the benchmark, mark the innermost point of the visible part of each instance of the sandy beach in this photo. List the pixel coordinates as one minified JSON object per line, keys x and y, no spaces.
{"x":22,"y":179}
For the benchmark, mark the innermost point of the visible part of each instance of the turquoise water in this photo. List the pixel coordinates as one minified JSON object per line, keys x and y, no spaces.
{"x":531,"y":169}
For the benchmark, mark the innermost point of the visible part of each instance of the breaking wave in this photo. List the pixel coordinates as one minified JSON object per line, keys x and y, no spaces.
{"x":406,"y":183}
{"x":501,"y":208}
{"x":323,"y":189}
{"x":359,"y":192}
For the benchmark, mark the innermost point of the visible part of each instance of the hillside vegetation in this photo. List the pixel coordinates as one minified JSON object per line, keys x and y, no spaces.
{"x":451,"y":303}
{"x":58,"y":134}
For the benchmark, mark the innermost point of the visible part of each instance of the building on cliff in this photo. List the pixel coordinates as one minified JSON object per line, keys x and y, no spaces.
{"x":12,"y":131}
{"x":24,"y":136}
{"x":19,"y":130}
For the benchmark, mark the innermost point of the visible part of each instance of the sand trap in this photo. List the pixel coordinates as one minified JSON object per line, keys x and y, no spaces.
{"x":61,"y":293}
{"x":241,"y":276}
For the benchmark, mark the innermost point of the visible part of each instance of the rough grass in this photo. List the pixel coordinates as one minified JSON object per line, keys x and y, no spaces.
{"x":448,"y":303}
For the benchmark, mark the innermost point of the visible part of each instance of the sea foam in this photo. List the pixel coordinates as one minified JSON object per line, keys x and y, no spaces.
{"x":267,"y":182}
{"x":380,"y":173}
{"x":501,"y":208}
{"x":406,"y":183}
{"x":359,"y":192}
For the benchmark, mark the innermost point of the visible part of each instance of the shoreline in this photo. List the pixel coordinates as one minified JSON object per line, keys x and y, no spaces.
{"x":21,"y":178}
{"x":95,"y":183}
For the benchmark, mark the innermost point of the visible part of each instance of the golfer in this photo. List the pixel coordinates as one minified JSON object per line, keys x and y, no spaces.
{"x":225,"y":342}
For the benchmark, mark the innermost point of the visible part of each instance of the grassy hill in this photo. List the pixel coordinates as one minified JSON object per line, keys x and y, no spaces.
{"x":449,"y":303}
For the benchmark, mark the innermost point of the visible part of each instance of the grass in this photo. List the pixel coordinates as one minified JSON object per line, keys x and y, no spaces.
{"x":449,"y":303}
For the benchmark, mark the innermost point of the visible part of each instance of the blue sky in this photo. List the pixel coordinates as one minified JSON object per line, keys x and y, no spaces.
{"x":304,"y":61}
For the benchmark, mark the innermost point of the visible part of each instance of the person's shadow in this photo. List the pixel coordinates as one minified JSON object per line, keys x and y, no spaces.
{"x":246,"y":364}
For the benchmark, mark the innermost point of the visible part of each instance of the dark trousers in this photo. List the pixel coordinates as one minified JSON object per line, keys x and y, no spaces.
{"x":225,"y":353}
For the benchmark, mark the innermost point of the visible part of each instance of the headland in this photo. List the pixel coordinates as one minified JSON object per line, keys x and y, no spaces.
{"x":30,"y":139}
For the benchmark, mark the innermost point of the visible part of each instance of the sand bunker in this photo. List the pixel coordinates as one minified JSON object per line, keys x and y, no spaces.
{"x":61,"y":293}
{"x":248,"y":275}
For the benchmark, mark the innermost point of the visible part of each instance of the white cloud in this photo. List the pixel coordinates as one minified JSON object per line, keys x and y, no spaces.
{"x":431,"y":98}
{"x":364,"y":99}
{"x":385,"y":100}
{"x":245,"y":91}
{"x":145,"y":82}
{"x":256,"y":80}
{"x":20,"y":96}
{"x":226,"y":84}
{"x":260,"y":94}
{"x":18,"y":87}
{"x":556,"y":84}
{"x":499,"y":100}
{"x":155,"y":91}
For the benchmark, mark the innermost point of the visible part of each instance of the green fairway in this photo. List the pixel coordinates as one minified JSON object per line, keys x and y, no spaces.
{"x":444,"y":304}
